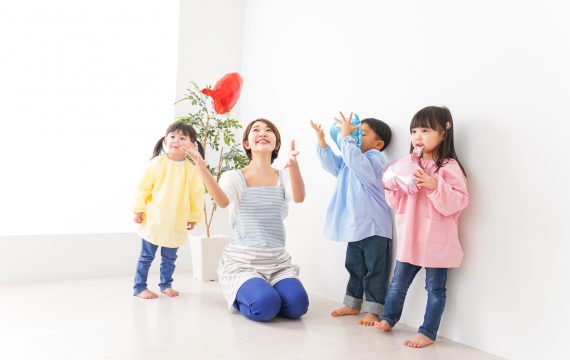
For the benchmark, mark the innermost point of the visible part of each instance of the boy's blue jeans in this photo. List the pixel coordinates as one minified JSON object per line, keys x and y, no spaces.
{"x":145,"y":260}
{"x":257,"y":300}
{"x":436,"y":279}
{"x":368,"y":262}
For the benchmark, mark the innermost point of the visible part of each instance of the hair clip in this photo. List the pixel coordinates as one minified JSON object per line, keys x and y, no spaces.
{"x":447,"y":125}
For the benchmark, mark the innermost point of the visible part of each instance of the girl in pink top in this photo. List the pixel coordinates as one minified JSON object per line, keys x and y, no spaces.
{"x":426,"y":222}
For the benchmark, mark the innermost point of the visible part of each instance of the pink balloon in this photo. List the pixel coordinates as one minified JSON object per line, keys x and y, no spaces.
{"x":399,"y":174}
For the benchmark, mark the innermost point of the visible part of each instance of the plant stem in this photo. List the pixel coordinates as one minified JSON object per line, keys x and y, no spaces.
{"x":220,"y":163}
{"x":206,"y":221}
{"x":209,"y":223}
{"x":206,"y":130}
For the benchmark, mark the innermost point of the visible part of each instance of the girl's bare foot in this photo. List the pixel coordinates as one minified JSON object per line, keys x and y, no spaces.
{"x":418,"y":341}
{"x":147,"y":294}
{"x":368,"y":320}
{"x":382,"y":325}
{"x":170,"y":292}
{"x":345,"y":310}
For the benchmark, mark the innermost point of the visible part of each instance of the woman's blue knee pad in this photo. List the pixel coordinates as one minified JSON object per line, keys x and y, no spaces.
{"x":294,"y":298}
{"x":259,"y":301}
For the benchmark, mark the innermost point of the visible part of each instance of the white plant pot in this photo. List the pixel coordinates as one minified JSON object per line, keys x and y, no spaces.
{"x":206,"y":254}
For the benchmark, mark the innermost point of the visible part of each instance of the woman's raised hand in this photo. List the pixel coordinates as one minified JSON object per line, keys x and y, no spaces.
{"x":292,"y":160}
{"x":190,"y":150}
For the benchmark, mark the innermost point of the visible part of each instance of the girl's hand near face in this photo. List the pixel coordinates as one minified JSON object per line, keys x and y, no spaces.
{"x":424,"y":180}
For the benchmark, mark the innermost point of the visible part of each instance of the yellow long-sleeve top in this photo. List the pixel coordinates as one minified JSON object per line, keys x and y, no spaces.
{"x":171,"y":194}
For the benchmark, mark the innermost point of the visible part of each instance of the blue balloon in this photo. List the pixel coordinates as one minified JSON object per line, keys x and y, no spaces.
{"x":356,"y":134}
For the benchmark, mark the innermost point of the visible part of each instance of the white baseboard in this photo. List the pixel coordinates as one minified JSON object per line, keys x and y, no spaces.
{"x":30,"y":258}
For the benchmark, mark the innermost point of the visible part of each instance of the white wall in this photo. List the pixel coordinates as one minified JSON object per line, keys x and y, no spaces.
{"x":209,"y":47}
{"x":502,"y":69}
{"x":86,"y":91}
{"x":33,"y":258}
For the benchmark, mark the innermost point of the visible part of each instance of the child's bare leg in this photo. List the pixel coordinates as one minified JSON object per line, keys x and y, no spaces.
{"x":170,"y":292}
{"x":382,"y":325}
{"x":368,"y":320}
{"x":147,"y":294}
{"x":345,"y":310}
{"x":418,"y":341}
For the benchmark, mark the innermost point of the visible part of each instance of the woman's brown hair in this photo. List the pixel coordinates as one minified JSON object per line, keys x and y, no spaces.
{"x":273,"y":128}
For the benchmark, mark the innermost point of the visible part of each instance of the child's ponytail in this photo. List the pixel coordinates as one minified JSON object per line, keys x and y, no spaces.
{"x":158,"y":148}
{"x":201,"y":149}
{"x":183,"y":127}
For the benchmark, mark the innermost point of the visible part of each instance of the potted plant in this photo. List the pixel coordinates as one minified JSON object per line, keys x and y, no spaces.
{"x":216,"y":130}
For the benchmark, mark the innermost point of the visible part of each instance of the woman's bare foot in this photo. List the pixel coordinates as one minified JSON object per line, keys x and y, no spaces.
{"x":382,"y":325}
{"x":170,"y":292}
{"x":147,"y":294}
{"x":368,"y":320}
{"x":345,"y":310}
{"x":418,"y":341}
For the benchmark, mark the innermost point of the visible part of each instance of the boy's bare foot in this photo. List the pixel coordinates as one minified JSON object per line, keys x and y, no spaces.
{"x":418,"y":341}
{"x":368,"y":320}
{"x":170,"y":292}
{"x":147,"y":294}
{"x":345,"y":310}
{"x":382,"y":325}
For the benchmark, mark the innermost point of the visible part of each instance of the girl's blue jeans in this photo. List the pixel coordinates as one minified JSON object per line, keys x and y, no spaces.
{"x":436,"y":279}
{"x":145,"y":260}
{"x":257,"y":300}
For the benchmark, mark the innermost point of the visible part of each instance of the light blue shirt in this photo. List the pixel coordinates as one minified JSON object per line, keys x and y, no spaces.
{"x":358,"y":208}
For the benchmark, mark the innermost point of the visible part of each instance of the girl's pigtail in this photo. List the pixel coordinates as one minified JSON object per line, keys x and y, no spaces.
{"x":157,"y":148}
{"x":200,"y":149}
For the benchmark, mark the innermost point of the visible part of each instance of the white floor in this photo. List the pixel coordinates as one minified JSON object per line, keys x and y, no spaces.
{"x":99,"y":319}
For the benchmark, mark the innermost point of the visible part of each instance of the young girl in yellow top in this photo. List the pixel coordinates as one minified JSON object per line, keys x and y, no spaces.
{"x":169,"y":202}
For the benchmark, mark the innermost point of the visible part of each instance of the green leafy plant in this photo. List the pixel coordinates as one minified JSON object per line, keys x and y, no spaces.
{"x":217,"y":133}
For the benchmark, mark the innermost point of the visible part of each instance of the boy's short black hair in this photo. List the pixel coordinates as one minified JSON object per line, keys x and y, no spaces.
{"x":381,"y":129}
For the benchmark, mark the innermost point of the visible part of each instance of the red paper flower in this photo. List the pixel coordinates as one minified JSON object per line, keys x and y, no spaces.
{"x":226,"y":92}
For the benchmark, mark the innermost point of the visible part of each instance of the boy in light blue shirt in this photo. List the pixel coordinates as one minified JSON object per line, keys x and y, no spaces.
{"x":359,"y":215}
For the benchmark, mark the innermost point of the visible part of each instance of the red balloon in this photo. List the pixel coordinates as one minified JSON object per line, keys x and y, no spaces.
{"x":226,"y":92}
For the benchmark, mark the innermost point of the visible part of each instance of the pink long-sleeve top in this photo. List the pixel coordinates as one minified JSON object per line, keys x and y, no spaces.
{"x":426,"y":223}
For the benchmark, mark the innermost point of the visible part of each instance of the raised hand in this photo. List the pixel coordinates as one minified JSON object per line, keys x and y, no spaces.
{"x":320,"y":134}
{"x":318,"y":130}
{"x":292,"y":160}
{"x":346,"y":128}
{"x":190,"y":150}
